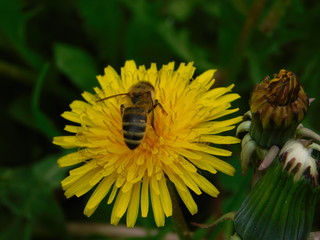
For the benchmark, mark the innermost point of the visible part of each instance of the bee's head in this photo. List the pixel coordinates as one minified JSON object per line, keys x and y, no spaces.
{"x":141,"y":90}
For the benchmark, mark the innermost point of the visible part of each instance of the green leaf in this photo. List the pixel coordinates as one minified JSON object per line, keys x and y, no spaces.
{"x":27,"y":111}
{"x":48,"y":171}
{"x":182,"y":9}
{"x":27,"y":194}
{"x":20,"y":111}
{"x":104,"y":22}
{"x":77,"y":64}
{"x":180,"y":42}
{"x":255,"y":70}
{"x":13,"y":27}
{"x":43,"y":122}
{"x":25,"y":190}
{"x":228,"y":32}
{"x":15,"y":228}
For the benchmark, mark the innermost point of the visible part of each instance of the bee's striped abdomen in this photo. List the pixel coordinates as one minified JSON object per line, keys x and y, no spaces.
{"x":134,"y":122}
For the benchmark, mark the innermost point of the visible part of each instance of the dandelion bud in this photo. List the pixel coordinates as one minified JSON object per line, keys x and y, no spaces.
{"x":277,"y":105}
{"x":282,"y":204}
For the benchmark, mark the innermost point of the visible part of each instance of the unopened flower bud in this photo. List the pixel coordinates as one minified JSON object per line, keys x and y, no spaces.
{"x":277,"y":105}
{"x":282,"y":203}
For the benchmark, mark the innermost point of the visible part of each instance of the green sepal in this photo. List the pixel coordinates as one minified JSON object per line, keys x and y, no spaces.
{"x":277,"y":208}
{"x":272,"y":134}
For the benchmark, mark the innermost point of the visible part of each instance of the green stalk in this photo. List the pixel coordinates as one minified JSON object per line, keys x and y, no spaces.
{"x":177,"y":215}
{"x":277,"y":208}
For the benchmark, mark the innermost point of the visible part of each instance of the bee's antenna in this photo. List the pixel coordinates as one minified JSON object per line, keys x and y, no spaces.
{"x":120,"y":94}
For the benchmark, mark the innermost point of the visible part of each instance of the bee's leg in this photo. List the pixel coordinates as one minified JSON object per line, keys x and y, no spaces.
{"x":152,"y":123}
{"x":160,"y":105}
{"x":152,"y":120}
{"x":152,"y":113}
{"x":122,"y":107}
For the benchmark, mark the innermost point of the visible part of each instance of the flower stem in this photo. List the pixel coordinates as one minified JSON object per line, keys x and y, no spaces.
{"x":278,"y":207}
{"x":177,"y":216}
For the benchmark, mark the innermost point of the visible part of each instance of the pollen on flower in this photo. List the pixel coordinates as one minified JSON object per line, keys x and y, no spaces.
{"x":134,"y":138}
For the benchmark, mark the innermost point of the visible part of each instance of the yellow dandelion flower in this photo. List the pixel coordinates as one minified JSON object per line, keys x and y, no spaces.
{"x":177,"y":143}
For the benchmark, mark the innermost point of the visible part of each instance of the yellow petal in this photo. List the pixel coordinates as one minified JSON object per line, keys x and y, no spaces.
{"x":78,"y":106}
{"x":205,"y":185}
{"x":204,"y":81}
{"x":68,"y":141}
{"x":223,"y":112}
{"x":145,"y":197}
{"x":83,"y":169}
{"x":127,"y":73}
{"x":132,"y":171}
{"x":140,"y":173}
{"x":188,"y":201}
{"x":154,"y":185}
{"x":216,"y":139}
{"x":96,"y":178}
{"x":187,"y":153}
{"x":157,"y":209}
{"x":111,"y":78}
{"x":228,"y":97}
{"x":121,"y":203}
{"x":205,"y":165}
{"x":127,"y":187}
{"x":120,"y":181}
{"x":176,"y":180}
{"x":218,"y":164}
{"x":112,"y":194}
{"x":185,"y":164}
{"x":65,"y":183}
{"x":165,"y":197}
{"x":100,"y":192}
{"x":189,"y":182}
{"x":215,"y":93}
{"x":71,"y":159}
{"x":152,"y":74}
{"x":186,"y":72}
{"x":214,"y":127}
{"x":72,"y":129}
{"x":209,"y":149}
{"x":89,"y":97}
{"x":149,"y":167}
{"x":81,"y":185}
{"x":133,"y":208}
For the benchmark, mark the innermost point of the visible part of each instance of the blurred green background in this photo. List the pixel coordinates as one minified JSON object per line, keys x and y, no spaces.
{"x":51,"y":51}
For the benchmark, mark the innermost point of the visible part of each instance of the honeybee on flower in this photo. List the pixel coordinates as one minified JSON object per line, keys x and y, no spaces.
{"x":176,"y":140}
{"x":134,"y":117}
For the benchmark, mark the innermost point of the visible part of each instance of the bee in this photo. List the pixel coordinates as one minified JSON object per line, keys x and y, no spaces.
{"x":135,"y":117}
